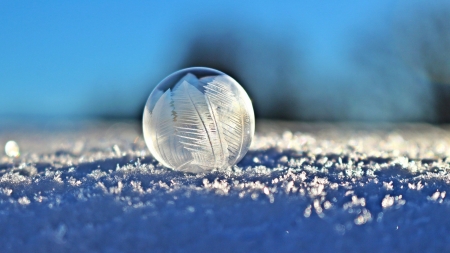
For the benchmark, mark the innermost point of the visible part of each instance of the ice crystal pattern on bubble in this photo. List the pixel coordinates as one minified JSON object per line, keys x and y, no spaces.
{"x":200,"y":124}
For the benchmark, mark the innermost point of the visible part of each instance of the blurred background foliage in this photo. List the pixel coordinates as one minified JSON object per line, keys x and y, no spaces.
{"x":298,"y":60}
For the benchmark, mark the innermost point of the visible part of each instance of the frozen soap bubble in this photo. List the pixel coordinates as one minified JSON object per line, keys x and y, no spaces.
{"x":197,"y":120}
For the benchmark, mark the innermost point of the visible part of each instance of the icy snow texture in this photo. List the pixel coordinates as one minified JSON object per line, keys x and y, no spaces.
{"x":301,"y":187}
{"x":198,"y":125}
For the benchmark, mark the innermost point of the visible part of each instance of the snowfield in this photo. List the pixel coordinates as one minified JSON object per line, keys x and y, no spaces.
{"x":94,"y":187}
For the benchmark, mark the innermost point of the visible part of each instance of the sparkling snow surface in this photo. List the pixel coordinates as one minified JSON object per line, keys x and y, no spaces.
{"x":301,"y":187}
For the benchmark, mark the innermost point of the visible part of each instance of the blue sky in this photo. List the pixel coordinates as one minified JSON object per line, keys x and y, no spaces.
{"x":94,"y":58}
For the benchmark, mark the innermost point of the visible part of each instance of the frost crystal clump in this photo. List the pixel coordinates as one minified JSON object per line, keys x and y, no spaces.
{"x":197,"y":120}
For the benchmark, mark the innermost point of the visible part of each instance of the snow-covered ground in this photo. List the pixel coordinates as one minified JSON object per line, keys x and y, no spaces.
{"x":93,"y":187}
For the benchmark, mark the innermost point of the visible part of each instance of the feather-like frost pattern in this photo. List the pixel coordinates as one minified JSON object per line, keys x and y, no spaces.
{"x":164,"y":137}
{"x":230,"y":114}
{"x":197,"y":128}
{"x":200,"y":124}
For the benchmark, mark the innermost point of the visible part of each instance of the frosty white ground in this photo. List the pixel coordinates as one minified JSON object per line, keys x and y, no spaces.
{"x":316,"y":187}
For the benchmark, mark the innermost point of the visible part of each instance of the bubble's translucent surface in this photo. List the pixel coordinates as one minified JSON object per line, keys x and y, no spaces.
{"x":197,"y":120}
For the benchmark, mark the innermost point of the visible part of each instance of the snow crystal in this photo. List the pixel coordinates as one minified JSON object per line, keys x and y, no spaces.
{"x":301,"y":187}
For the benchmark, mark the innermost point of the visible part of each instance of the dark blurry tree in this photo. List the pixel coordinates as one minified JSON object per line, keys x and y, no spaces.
{"x":422,"y":37}
{"x":385,"y":89}
{"x":264,"y":64}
